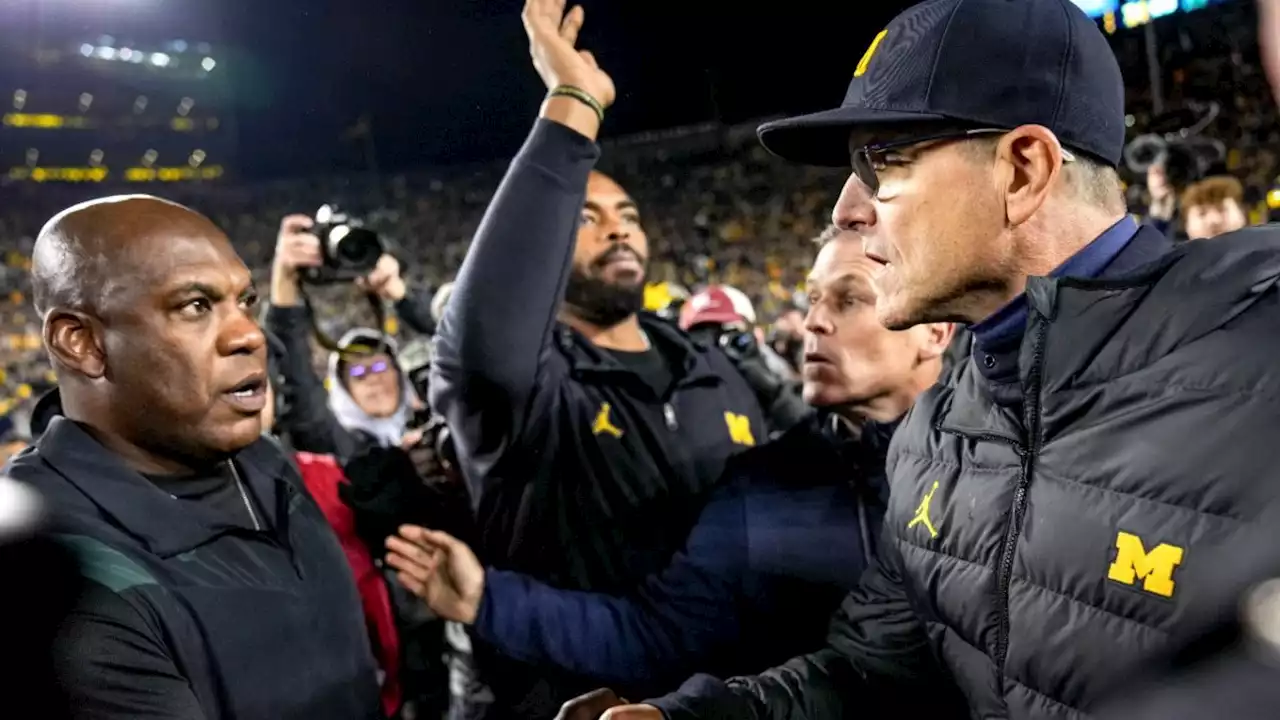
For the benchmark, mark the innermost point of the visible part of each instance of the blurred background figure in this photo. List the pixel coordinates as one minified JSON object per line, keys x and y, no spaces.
{"x":1213,"y":206}
{"x":12,"y":438}
{"x":45,"y":584}
{"x":722,"y":316}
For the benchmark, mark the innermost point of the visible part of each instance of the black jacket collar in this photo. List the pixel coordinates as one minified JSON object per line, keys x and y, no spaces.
{"x":1095,"y":331}
{"x":146,"y":512}
{"x":586,"y":361}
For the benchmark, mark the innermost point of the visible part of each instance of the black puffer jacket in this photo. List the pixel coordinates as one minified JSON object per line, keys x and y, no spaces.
{"x":1038,"y":562}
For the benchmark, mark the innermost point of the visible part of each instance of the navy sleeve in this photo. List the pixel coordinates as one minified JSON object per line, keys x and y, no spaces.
{"x":415,"y":310}
{"x":675,"y":620}
{"x":877,"y":662}
{"x":309,"y":422}
{"x":494,"y":356}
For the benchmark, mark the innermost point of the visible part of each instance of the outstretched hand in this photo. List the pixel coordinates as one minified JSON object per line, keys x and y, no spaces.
{"x":605,"y":704}
{"x":439,"y":569}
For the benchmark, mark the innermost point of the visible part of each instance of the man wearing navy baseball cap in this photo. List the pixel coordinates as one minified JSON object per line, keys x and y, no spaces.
{"x":1052,"y":505}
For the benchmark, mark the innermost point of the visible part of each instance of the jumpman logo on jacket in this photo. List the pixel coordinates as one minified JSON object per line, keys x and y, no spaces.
{"x":602,"y":423}
{"x":922,"y":512}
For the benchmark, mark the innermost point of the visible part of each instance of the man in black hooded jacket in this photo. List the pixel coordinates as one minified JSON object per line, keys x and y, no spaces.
{"x":589,"y":433}
{"x":1050,"y":511}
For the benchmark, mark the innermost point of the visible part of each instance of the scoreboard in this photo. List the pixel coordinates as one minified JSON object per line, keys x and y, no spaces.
{"x":106,"y":109}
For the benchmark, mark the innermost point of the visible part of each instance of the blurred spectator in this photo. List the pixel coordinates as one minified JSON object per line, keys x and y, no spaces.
{"x":1212,"y":207}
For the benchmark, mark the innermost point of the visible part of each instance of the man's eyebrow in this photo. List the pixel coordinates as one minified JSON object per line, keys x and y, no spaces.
{"x":195,"y":286}
{"x":624,"y":204}
{"x":840,"y":282}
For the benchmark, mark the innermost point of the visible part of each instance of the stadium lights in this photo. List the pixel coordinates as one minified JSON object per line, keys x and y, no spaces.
{"x":160,"y":59}
{"x":1161,"y":8}
{"x":100,"y":174}
{"x":208,"y":64}
{"x":1135,"y":13}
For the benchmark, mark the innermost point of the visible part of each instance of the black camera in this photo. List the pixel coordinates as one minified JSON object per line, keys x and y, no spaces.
{"x":348,"y":249}
{"x":415,"y":362}
{"x":1174,"y":141}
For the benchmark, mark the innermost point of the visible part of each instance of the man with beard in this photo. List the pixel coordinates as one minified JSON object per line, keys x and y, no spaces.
{"x":588,"y":432}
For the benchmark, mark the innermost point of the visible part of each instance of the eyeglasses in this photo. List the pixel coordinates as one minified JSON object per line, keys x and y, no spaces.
{"x":377,"y":367}
{"x":870,"y":159}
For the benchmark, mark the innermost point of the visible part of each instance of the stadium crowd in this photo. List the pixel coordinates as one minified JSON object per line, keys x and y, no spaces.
{"x":550,"y":501}
{"x":710,"y":194}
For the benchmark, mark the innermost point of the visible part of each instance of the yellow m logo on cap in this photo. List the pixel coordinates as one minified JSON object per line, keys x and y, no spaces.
{"x":1154,"y":569}
{"x":866,"y":57}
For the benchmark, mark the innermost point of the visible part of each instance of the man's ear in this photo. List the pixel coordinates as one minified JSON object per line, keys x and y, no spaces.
{"x":938,"y":338}
{"x":1034,"y":156}
{"x":74,"y":340}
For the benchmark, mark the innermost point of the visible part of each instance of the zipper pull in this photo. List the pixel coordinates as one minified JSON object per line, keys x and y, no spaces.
{"x":669,"y":413}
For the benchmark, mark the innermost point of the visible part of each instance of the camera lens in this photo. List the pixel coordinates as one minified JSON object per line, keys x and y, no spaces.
{"x":355,"y":248}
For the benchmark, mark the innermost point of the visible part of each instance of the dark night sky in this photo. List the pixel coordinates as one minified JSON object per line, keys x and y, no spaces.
{"x":451,"y":81}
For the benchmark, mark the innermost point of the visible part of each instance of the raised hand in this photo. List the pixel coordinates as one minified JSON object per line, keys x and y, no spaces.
{"x":295,"y":245}
{"x":552,"y":39}
{"x":440,"y":570}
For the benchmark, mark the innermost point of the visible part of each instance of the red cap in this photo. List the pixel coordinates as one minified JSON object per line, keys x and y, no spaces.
{"x":718,"y":304}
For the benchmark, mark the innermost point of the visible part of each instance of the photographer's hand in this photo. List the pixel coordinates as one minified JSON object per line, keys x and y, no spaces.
{"x":743,"y":351}
{"x":440,"y":570}
{"x":385,"y":280}
{"x":295,"y":248}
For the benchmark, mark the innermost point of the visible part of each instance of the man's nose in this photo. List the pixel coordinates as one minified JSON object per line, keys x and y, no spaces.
{"x":243,"y":335}
{"x":816,"y":320}
{"x":854,"y":209}
{"x":617,"y":231}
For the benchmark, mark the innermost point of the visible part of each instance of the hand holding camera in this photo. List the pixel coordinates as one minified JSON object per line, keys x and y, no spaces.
{"x":744,"y":352}
{"x":385,"y":280}
{"x":296,"y":247}
{"x":335,"y":247}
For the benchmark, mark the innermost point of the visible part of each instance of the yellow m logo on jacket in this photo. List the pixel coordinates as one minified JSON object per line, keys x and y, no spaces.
{"x":1154,"y":568}
{"x":739,"y":429}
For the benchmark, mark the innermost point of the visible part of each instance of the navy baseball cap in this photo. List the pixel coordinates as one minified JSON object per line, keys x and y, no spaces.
{"x":989,"y":63}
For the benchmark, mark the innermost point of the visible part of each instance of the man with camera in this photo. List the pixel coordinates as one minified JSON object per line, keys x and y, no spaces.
{"x":369,"y":401}
{"x":588,"y":431}
{"x":722,"y":316}
{"x":370,"y":418}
